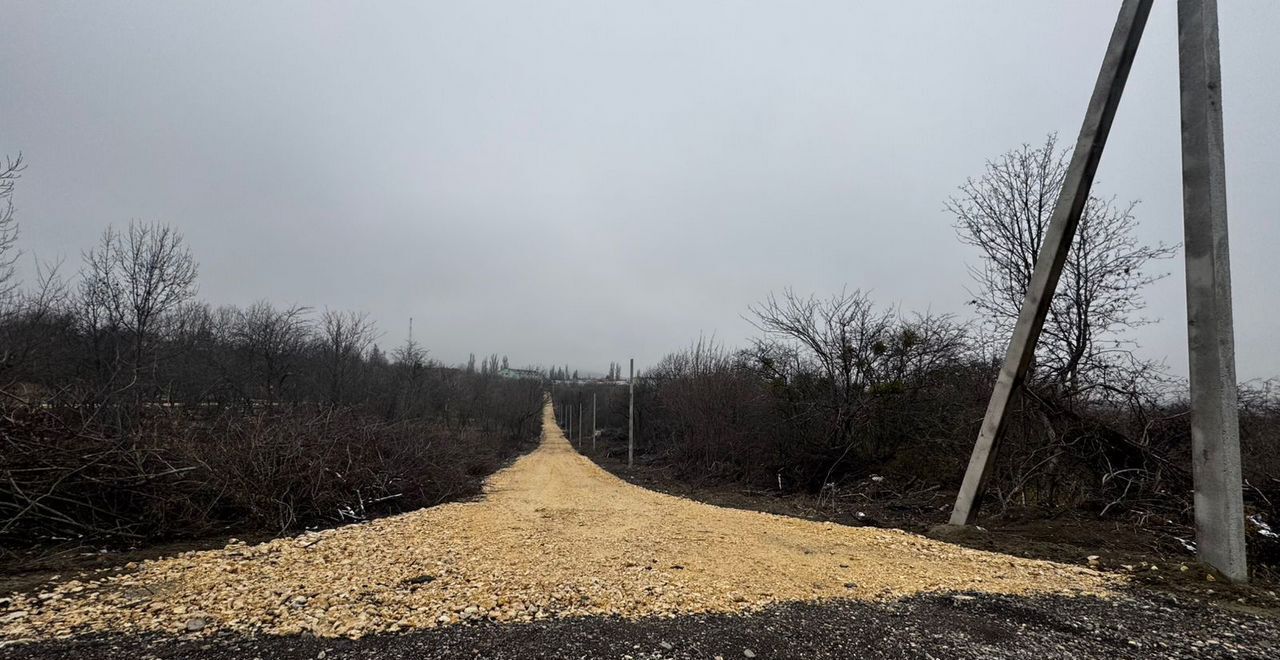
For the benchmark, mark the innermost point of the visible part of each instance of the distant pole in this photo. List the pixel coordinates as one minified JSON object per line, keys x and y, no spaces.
{"x":568,"y":422}
{"x":593,"y":422}
{"x":1215,"y":425}
{"x":579,"y":424}
{"x":631,"y":417}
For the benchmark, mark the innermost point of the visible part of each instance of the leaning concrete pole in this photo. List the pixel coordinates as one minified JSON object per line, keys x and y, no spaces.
{"x":1215,"y":431}
{"x":1053,"y":252}
{"x":631,"y":417}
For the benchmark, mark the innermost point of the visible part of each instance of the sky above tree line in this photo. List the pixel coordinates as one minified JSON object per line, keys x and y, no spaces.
{"x":582,"y":182}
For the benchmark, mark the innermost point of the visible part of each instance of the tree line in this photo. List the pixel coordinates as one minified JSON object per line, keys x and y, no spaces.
{"x":131,"y":410}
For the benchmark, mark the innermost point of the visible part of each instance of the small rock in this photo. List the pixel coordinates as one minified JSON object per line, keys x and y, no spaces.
{"x":749,"y":653}
{"x":666,"y":645}
{"x":197,"y":623}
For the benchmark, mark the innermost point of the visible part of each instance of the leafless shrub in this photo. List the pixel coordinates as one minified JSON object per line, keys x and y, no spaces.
{"x":66,"y":478}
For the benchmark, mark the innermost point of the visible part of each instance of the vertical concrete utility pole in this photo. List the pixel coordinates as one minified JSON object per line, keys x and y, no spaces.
{"x":579,"y":425}
{"x":1215,"y":431}
{"x":593,"y":422}
{"x":1053,"y":252}
{"x":631,"y":417}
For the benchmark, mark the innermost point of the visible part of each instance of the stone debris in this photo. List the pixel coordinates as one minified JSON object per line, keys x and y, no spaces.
{"x":555,"y":536}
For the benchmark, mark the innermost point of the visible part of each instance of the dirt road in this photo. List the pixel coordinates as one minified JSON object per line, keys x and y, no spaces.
{"x":554,"y":538}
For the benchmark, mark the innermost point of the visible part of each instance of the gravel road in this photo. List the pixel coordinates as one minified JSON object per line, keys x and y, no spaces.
{"x":561,"y":559}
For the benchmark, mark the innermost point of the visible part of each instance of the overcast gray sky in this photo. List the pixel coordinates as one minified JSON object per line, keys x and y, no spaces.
{"x":580,"y":182}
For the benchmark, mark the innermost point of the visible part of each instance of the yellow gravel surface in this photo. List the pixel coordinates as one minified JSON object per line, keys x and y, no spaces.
{"x":554,"y":536}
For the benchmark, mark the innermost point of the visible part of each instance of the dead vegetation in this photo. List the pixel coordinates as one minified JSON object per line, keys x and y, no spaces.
{"x":131,"y":412}
{"x":837,"y":390}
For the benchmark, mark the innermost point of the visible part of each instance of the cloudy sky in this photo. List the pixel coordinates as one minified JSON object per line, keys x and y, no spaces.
{"x":580,"y":182}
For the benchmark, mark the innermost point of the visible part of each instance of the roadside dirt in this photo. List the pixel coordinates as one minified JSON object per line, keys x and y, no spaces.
{"x":554,"y":537}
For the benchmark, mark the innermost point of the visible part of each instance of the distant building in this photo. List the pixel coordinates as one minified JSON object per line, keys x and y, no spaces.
{"x":530,"y":374}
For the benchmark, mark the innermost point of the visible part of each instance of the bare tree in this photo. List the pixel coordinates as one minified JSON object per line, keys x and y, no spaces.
{"x":840,"y":338}
{"x":34,"y":319}
{"x":130,"y":281}
{"x":344,"y":338}
{"x":1005,"y":213}
{"x":410,"y":354}
{"x":918,"y":347}
{"x":272,"y":340}
{"x":409,"y":371}
{"x":9,"y":253}
{"x":842,"y":335}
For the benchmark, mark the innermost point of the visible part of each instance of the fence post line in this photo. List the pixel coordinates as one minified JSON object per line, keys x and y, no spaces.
{"x":631,"y":417}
